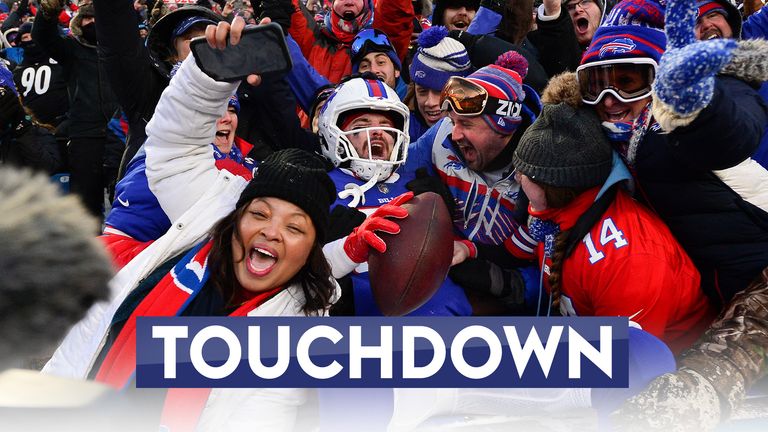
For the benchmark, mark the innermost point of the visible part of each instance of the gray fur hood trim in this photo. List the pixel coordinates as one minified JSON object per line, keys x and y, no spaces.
{"x":75,"y":24}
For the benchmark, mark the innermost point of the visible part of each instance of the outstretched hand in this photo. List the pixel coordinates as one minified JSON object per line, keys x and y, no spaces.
{"x":362,"y":238}
{"x":218,"y":35}
{"x":686,"y":76}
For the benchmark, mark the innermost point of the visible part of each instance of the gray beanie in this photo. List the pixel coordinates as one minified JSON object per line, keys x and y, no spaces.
{"x":565,"y":147}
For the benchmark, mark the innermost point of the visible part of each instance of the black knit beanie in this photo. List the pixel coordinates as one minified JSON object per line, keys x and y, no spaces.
{"x":565,"y":147}
{"x":298,"y":177}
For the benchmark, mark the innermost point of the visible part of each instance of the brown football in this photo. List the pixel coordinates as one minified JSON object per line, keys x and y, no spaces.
{"x":417,"y":259}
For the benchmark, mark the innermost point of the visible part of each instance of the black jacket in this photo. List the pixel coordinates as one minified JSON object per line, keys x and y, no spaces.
{"x":42,"y":83}
{"x":32,"y":147}
{"x":726,"y":237}
{"x":92,"y":102}
{"x":135,"y":81}
{"x":556,"y":44}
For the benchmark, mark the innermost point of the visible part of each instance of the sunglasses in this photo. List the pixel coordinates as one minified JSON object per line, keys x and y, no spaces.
{"x":370,"y":38}
{"x":466,"y":98}
{"x":628,"y":80}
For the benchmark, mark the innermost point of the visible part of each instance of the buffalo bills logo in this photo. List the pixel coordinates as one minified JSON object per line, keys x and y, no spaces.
{"x":618,"y":46}
{"x":453,"y":163}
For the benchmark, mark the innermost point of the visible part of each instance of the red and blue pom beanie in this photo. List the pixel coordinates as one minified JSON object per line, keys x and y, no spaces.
{"x":503,"y":80}
{"x":634,"y":28}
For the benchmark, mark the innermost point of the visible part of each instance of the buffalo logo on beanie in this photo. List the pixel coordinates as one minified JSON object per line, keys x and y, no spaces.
{"x":504,"y":81}
{"x":565,"y":147}
{"x":298,"y":177}
{"x":438,"y":58}
{"x":634,"y":28}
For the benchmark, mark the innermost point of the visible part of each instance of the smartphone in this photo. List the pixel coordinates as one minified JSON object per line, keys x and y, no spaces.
{"x":262,"y":50}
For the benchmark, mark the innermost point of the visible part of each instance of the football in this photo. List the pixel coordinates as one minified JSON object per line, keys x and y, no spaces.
{"x":417,"y":259}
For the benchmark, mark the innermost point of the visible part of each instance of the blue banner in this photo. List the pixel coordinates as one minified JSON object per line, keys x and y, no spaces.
{"x":338,"y":352}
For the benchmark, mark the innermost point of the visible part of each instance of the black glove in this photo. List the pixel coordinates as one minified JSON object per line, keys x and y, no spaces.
{"x":466,"y":39}
{"x":497,"y":6}
{"x":479,"y":275}
{"x":279,"y":11}
{"x":427,"y":183}
{"x":342,"y":221}
{"x":11,"y":112}
{"x":51,"y":8}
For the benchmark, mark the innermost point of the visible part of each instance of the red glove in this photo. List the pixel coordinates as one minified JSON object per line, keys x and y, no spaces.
{"x":363,"y":237}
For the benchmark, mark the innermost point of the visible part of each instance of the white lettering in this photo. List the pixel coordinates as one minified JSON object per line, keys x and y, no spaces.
{"x":196,"y":352}
{"x":283,"y":353}
{"x":169,"y":334}
{"x":601,"y":358}
{"x":410,"y":370}
{"x":457,"y":352}
{"x":357,"y":352}
{"x":302,"y":352}
{"x":522,"y":354}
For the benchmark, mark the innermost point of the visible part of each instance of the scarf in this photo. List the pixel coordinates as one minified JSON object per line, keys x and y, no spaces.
{"x":170,"y":297}
{"x":628,"y":139}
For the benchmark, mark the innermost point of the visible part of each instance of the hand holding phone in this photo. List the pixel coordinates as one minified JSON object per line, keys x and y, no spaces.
{"x":231,"y":53}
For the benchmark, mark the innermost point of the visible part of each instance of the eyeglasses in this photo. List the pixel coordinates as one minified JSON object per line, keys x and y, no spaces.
{"x":370,"y":38}
{"x":628,"y":80}
{"x":466,"y":98}
{"x":570,"y":7}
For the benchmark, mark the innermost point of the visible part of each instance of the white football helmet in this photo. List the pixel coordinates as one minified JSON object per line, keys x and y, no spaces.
{"x":363,"y":94}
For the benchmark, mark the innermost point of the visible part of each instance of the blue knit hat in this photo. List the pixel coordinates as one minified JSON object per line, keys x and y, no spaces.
{"x":234,"y":102}
{"x":504,"y":81}
{"x":438,"y":58}
{"x":634,"y":28}
{"x":370,"y":41}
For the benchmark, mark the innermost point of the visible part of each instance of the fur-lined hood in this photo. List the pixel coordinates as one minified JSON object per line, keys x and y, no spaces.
{"x":563,"y":87}
{"x":75,"y":24}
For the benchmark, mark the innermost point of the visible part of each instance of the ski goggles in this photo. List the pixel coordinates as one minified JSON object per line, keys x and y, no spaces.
{"x":628,"y":80}
{"x":466,"y":98}
{"x":368,"y":39}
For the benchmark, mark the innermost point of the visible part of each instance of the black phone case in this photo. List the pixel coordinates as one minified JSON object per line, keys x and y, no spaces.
{"x":204,"y":54}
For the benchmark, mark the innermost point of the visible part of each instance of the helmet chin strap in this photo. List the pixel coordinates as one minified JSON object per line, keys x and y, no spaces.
{"x":358,"y":192}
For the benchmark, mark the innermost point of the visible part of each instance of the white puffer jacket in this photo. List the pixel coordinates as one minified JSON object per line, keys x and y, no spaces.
{"x":195,"y":195}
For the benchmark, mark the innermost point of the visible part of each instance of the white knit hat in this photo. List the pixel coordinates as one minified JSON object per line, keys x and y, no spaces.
{"x":438,"y":58}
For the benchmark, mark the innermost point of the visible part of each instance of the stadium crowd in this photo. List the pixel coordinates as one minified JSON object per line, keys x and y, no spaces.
{"x":597,"y":158}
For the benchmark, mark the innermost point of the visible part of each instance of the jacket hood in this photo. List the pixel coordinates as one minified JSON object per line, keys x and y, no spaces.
{"x":76,"y":23}
{"x":562,"y":88}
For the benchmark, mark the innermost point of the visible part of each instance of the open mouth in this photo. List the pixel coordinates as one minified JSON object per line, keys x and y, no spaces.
{"x":711,"y":34}
{"x":582,"y":24}
{"x":468,"y":151}
{"x":433,"y":116}
{"x":223,"y":133}
{"x":377,"y":150}
{"x":460,"y":24}
{"x":261,"y":261}
{"x":617,"y":116}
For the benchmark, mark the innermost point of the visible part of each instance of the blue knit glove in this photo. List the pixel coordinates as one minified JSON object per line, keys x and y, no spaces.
{"x":685,"y":79}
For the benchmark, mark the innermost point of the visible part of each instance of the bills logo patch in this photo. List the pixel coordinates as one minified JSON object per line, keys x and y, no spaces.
{"x":618,"y":46}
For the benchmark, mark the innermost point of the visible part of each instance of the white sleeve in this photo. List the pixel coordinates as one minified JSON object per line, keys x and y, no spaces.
{"x":180,"y":163}
{"x":542,"y":14}
{"x":341,"y":264}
